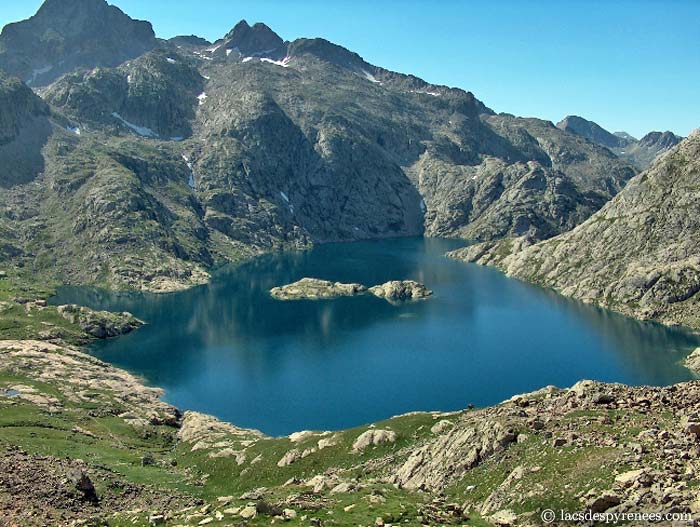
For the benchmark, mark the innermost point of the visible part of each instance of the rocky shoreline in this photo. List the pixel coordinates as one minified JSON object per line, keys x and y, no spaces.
{"x":596,"y":446}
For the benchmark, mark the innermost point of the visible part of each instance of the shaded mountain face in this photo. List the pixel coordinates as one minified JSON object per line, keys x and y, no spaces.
{"x":24,"y":129}
{"x":188,"y":41}
{"x":66,"y":34}
{"x":591,"y":131}
{"x":660,"y":140}
{"x":193,"y":155}
{"x":640,"y":153}
{"x":638,"y":255}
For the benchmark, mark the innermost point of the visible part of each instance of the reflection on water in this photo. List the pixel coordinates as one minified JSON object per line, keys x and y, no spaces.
{"x":229,"y":349}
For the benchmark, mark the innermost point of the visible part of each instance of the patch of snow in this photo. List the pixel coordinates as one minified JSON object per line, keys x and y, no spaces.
{"x":247,"y":59}
{"x":177,"y":138}
{"x":434,"y":93}
{"x":284,"y":196}
{"x":171,"y":60}
{"x":202,"y":97}
{"x":422,"y":205}
{"x":129,"y":78}
{"x":370,"y":77}
{"x":75,"y":130}
{"x":284,"y":62}
{"x":228,"y":52}
{"x":141,"y":130}
{"x":213,"y":48}
{"x":202,"y":56}
{"x":206,"y":77}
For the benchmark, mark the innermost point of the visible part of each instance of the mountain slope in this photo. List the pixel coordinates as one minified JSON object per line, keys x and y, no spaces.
{"x":637,"y":255}
{"x":197,"y":155}
{"x":66,"y":34}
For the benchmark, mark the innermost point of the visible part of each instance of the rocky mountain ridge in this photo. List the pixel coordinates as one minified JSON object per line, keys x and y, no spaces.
{"x":640,"y":153}
{"x":637,"y":255}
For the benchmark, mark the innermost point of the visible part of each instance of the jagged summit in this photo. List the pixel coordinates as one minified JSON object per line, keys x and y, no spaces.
{"x":660,"y":140}
{"x":254,"y":40}
{"x":67,"y":34}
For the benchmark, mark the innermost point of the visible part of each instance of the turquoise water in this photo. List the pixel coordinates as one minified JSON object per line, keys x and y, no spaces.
{"x":229,"y":349}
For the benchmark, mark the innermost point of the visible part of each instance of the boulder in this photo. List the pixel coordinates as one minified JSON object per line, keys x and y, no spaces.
{"x":100,"y":324}
{"x":82,"y":482}
{"x":373,"y":437}
{"x":248,"y":513}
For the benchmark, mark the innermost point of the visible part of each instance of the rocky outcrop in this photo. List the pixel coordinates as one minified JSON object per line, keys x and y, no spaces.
{"x":313,"y":289}
{"x":373,"y":437}
{"x":78,"y":377}
{"x":637,"y":255}
{"x":401,"y":291}
{"x":692,"y":361}
{"x":67,"y":34}
{"x":100,"y":324}
{"x":430,"y":467}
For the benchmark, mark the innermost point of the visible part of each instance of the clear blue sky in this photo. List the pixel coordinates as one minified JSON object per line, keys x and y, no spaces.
{"x":630,"y":65}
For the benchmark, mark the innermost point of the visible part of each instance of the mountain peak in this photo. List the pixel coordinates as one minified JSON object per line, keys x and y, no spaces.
{"x":253,"y":40}
{"x":67,"y":34}
{"x":51,"y":7}
{"x":591,"y":131}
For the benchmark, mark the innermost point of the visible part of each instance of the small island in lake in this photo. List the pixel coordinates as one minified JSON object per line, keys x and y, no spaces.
{"x":315,"y":289}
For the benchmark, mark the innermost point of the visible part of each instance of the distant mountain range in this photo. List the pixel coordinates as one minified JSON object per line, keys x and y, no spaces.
{"x":148,"y":162}
{"x":641,"y":153}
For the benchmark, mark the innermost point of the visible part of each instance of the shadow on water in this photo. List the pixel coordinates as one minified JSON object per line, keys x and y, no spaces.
{"x":229,"y":349}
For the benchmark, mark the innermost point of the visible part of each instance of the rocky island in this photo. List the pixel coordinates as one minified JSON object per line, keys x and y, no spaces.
{"x":401,"y":291}
{"x":314,"y":289}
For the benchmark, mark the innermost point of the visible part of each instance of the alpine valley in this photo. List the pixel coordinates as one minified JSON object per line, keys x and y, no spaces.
{"x":137,"y":165}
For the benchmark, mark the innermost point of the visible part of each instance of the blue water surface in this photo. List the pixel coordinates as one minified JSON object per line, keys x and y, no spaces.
{"x":229,"y":349}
